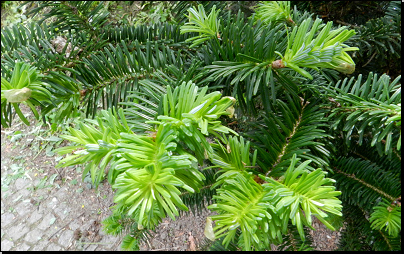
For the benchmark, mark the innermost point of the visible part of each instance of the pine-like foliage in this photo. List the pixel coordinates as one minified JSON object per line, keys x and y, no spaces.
{"x":372,"y":108}
{"x":259,"y":117}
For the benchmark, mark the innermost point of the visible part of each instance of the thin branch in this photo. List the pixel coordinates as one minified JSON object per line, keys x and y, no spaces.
{"x":366,"y":184}
{"x":295,"y":127}
{"x":386,"y":239}
{"x":369,"y":59}
{"x":346,"y":24}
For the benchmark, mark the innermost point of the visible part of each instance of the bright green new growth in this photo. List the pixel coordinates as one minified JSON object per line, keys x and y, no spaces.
{"x":302,"y":190}
{"x":309,"y":47}
{"x":147,"y":170}
{"x":206,"y":26}
{"x":152,"y":176}
{"x":386,"y":215}
{"x":25,"y":86}
{"x":97,"y":145}
{"x":262,"y":212}
{"x":273,"y":11}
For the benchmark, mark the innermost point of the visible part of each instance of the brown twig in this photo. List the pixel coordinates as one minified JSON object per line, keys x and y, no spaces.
{"x":346,"y":24}
{"x":369,"y":59}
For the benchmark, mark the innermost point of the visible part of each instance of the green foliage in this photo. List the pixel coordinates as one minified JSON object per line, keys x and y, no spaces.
{"x":273,"y":11}
{"x":117,"y":224}
{"x":378,"y":31}
{"x":385,"y":215}
{"x":301,"y":190}
{"x":186,"y":109}
{"x":294,"y":128}
{"x":25,"y":86}
{"x":293,"y":242}
{"x":97,"y":145}
{"x":372,"y":107}
{"x":326,"y":50}
{"x":364,"y":185}
{"x":358,"y":234}
{"x":364,"y":182}
{"x":245,"y":204}
{"x":242,"y":203}
{"x":130,"y":243}
{"x":206,"y":26}
{"x":152,"y":176}
{"x":246,"y":115}
{"x":73,"y":15}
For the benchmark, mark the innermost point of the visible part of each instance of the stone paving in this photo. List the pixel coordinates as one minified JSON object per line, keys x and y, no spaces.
{"x":56,"y":217}
{"x":29,"y":226}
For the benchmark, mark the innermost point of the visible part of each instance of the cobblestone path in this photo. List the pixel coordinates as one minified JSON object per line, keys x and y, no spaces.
{"x":40,"y":213}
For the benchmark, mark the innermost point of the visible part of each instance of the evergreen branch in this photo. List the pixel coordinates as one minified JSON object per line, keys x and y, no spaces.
{"x":292,"y":133}
{"x":346,"y":24}
{"x":206,"y":26}
{"x":386,"y":215}
{"x":304,"y":194}
{"x":202,"y":188}
{"x":386,"y":240}
{"x":273,"y":12}
{"x":277,"y":140}
{"x":366,"y":184}
{"x":375,"y":101}
{"x":327,"y":50}
{"x":362,"y":183}
{"x":74,"y":15}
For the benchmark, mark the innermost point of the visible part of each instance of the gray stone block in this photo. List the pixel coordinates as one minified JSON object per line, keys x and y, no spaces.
{"x":22,"y":247}
{"x":35,"y":217}
{"x":61,"y":193}
{"x":34,"y":236}
{"x":6,"y":219}
{"x":60,"y":210}
{"x":6,"y":245}
{"x":23,"y":208}
{"x":41,"y":245}
{"x":24,"y":193}
{"x":45,"y":222}
{"x":17,"y":232}
{"x":91,"y":247}
{"x":22,"y":183}
{"x":53,"y":247}
{"x":65,"y":238}
{"x":75,"y":224}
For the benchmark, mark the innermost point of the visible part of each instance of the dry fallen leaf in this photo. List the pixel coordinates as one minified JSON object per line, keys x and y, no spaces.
{"x":180,"y":234}
{"x":192,"y":246}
